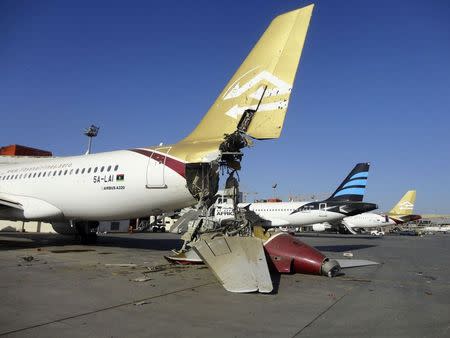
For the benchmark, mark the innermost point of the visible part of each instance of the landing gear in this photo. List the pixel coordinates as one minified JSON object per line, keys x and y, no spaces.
{"x":87,"y":231}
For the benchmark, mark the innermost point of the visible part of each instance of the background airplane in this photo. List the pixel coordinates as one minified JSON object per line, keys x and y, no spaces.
{"x":401,"y":213}
{"x":345,"y":201}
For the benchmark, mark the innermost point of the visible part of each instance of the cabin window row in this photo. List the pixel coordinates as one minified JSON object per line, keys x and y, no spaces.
{"x":61,"y":172}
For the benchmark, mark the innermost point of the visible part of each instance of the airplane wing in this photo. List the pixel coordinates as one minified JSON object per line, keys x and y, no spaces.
{"x":24,"y":207}
{"x":10,"y":208}
{"x":9,"y":203}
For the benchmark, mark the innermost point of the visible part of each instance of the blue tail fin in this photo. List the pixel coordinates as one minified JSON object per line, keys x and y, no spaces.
{"x":354,"y":185}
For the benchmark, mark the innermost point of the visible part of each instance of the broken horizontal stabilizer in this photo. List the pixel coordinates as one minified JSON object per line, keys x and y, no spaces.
{"x":238,"y":262}
{"x":354,"y":263}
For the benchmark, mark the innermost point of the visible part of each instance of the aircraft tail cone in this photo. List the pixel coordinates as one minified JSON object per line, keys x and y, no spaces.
{"x":330,"y":268}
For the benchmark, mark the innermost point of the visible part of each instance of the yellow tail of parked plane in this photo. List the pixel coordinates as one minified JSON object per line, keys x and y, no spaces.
{"x":263,"y":83}
{"x":405,"y":206}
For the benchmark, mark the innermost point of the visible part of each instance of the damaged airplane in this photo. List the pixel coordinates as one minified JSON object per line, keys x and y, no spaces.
{"x":75,"y":193}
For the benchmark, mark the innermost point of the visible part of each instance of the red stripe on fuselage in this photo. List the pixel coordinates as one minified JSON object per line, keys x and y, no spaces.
{"x":177,"y":166}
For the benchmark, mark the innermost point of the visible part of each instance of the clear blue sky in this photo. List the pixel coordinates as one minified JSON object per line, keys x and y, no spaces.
{"x":373,"y":85}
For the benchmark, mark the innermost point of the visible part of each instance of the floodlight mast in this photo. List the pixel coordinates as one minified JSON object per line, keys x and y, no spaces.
{"x":91,"y":132}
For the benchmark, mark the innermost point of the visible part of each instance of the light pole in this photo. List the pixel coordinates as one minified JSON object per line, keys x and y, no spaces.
{"x":91,"y":132}
{"x":274,"y":187}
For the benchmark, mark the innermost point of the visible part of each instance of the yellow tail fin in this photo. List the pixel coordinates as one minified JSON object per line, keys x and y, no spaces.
{"x":406,"y":205}
{"x":272,"y":63}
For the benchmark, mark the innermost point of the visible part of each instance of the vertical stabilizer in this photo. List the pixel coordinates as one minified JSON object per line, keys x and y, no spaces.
{"x":354,"y":185}
{"x":270,"y":66}
{"x":406,"y":205}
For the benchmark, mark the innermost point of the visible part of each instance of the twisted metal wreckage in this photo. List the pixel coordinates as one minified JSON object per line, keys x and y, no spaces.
{"x":239,"y":250}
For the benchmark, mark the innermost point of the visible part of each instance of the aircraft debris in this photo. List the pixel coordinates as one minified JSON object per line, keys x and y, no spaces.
{"x":141,"y":279}
{"x":238,"y":262}
{"x":122,"y":265}
{"x":28,"y":258}
{"x":157,"y":268}
{"x":237,"y":249}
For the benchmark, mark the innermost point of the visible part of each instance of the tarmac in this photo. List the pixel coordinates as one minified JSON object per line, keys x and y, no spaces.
{"x":122,"y":287}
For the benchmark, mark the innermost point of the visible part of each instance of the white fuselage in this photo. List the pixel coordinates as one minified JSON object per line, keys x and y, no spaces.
{"x":280,"y":214}
{"x":105,"y":186}
{"x":368,"y":220}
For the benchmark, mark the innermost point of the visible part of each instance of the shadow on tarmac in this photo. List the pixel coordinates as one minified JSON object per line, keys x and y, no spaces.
{"x":18,"y":240}
{"x":146,"y":241}
{"x":343,"y":248}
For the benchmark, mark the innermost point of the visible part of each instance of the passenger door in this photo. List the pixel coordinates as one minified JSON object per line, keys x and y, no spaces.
{"x":156,"y":170}
{"x":322,"y":210}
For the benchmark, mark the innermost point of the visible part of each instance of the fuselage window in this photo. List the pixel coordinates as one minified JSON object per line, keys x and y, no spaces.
{"x":77,"y":171}
{"x":82,"y":171}
{"x":71,"y":171}
{"x":102,"y":169}
{"x":65,"y":172}
{"x":39,"y":175}
{"x":29,"y":175}
{"x":116,"y":167}
{"x":43,"y":175}
{"x":60,"y":172}
{"x":109,"y":168}
{"x":34,"y":175}
{"x":95,"y":169}
{"x":54,"y":173}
